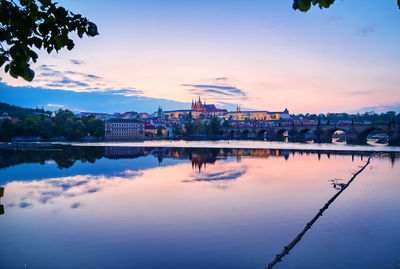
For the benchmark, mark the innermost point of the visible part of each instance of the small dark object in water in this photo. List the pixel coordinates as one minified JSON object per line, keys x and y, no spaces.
{"x":1,"y":195}
{"x":381,"y":141}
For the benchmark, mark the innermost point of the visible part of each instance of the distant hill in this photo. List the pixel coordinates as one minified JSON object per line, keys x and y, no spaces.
{"x":20,"y":112}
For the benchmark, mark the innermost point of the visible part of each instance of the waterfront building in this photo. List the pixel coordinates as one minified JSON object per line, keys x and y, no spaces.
{"x":263,"y":115}
{"x":177,"y":114}
{"x":124,"y":129}
{"x":150,"y":130}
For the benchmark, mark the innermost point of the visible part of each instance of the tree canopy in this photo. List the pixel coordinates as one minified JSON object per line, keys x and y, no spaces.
{"x":38,"y":24}
{"x":305,"y":5}
{"x":65,"y":123}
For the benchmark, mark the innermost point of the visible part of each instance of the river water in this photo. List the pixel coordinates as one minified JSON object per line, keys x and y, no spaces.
{"x":119,"y":206}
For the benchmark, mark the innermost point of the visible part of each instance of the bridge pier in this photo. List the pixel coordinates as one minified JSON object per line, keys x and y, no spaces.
{"x":394,"y":135}
{"x":354,"y":138}
{"x":292,"y":135}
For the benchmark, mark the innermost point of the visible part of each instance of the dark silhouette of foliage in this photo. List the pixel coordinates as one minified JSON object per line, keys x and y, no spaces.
{"x":176,"y":129}
{"x":65,"y":123}
{"x":226,"y":124}
{"x":61,"y":120}
{"x":159,"y":131}
{"x":214,"y":127}
{"x":7,"y":130}
{"x":189,"y":127}
{"x":46,"y":128}
{"x":38,"y":24}
{"x":29,"y":126}
{"x":305,"y":5}
{"x":19,"y":112}
{"x":75,"y":129}
{"x":94,"y":126}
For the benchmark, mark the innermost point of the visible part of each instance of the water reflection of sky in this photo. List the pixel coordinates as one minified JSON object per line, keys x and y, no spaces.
{"x":233,"y":213}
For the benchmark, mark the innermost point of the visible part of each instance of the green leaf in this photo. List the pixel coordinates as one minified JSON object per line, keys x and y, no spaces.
{"x":28,"y":74}
{"x":44,"y":29}
{"x":24,"y":2}
{"x":3,"y":34}
{"x":37,"y":42}
{"x":7,"y":68}
{"x":70,"y":44}
{"x":302,"y":5}
{"x":3,"y":59}
{"x":82,"y":30}
{"x":14,"y":72}
{"x":45,"y":3}
{"x":92,"y":29}
{"x":60,"y":41}
{"x":33,"y":55}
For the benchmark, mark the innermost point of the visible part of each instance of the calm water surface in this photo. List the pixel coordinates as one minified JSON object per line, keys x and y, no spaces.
{"x":125,"y":207}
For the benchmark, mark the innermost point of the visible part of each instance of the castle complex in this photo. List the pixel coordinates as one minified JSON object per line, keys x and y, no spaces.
{"x":199,"y":108}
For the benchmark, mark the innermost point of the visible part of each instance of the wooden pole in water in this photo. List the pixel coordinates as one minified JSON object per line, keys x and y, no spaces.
{"x":297,"y":239}
{"x":1,"y":195}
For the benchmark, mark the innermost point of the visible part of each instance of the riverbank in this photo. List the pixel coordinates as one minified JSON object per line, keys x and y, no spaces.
{"x":29,"y":145}
{"x":243,"y":144}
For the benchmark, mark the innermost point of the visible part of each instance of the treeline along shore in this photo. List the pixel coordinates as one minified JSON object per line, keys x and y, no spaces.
{"x":24,"y":124}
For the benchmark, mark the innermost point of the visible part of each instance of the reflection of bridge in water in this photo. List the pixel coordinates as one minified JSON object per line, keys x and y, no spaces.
{"x":201,"y":157}
{"x":322,"y":133}
{"x":69,"y":155}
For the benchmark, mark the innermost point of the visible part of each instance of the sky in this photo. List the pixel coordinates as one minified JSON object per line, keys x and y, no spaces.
{"x":258,"y":54}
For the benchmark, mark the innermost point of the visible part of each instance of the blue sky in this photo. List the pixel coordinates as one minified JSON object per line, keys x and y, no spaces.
{"x":258,"y":54}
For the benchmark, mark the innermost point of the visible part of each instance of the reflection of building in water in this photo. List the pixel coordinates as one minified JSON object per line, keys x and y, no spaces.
{"x":198,"y":160}
{"x":260,"y":153}
{"x":124,"y":152}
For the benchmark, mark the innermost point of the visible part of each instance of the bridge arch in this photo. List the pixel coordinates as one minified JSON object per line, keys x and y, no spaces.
{"x":245,"y":134}
{"x":337,"y":134}
{"x":231,"y":134}
{"x":262,"y":134}
{"x":374,"y":135}
{"x":281,"y":134}
{"x":305,"y":134}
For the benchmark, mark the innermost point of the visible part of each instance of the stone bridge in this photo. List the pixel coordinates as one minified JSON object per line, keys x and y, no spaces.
{"x":355,"y":133}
